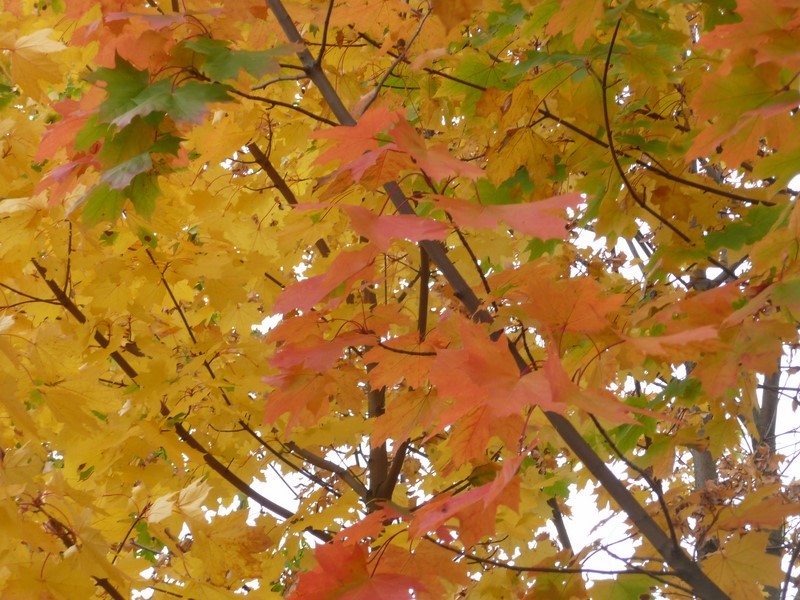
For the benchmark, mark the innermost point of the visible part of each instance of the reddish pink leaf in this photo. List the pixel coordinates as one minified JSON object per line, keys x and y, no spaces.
{"x":373,"y":169}
{"x":472,"y":434}
{"x":303,"y":395}
{"x":503,"y":479}
{"x":61,"y":134}
{"x":393,"y":367}
{"x":305,"y":294}
{"x":381,"y":229}
{"x":544,"y":219}
{"x":475,"y":509}
{"x":661,"y":345}
{"x":436,"y":161}
{"x":316,"y":353}
{"x":342,"y":572}
{"x":558,"y":304}
{"x":368,"y":527}
{"x":599,"y":402}
{"x":481,"y":372}
{"x":357,"y":139}
{"x":155,"y":21}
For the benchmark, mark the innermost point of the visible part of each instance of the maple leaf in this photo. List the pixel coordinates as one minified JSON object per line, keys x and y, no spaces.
{"x":763,"y":509}
{"x":435,"y":161}
{"x":482,"y":374}
{"x":432,"y":565}
{"x":130,"y":94}
{"x":341,"y":572}
{"x":742,"y":564}
{"x":222,"y":63}
{"x":598,"y":402}
{"x":32,"y":67}
{"x":358,"y":139}
{"x":364,"y":148}
{"x":544,"y":219}
{"x":475,"y":508}
{"x":661,"y":344}
{"x":380,"y":229}
{"x":453,"y":12}
{"x":374,"y":168}
{"x":559,"y":304}
{"x":305,"y":294}
{"x":368,"y":527}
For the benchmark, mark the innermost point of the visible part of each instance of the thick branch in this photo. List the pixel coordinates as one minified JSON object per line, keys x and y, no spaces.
{"x":766,"y":415}
{"x":424,"y":279}
{"x":108,"y":588}
{"x":393,"y":474}
{"x":281,"y":185}
{"x":322,"y":463}
{"x":378,"y":461}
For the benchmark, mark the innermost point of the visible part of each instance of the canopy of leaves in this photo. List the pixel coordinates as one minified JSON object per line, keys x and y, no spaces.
{"x":402,"y":191}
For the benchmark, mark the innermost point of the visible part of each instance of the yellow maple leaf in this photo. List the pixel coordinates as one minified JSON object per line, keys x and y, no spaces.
{"x":453,"y":12}
{"x":190,"y":499}
{"x":742,"y":566}
{"x":32,"y":69}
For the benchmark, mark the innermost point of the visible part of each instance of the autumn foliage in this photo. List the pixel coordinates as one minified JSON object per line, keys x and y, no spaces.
{"x":502,"y":250}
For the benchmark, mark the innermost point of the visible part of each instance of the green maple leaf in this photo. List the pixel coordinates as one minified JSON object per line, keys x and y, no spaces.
{"x":124,"y":83}
{"x":222,"y":63}
{"x":130,"y":95}
{"x":758,"y":223}
{"x":188,"y":102}
{"x":120,"y":176}
{"x":102,"y":204}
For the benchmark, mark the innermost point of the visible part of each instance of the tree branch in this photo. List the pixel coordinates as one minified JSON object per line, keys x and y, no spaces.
{"x":378,"y":461}
{"x":656,"y":487}
{"x":653,"y":168}
{"x":109,"y":589}
{"x":424,"y":292}
{"x":658,"y":575}
{"x":561,"y":529}
{"x":322,"y":463}
{"x":281,"y":185}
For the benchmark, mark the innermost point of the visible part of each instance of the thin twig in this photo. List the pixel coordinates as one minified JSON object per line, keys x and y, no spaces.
{"x":532,"y":569}
{"x":615,"y":158}
{"x":325,"y":25}
{"x":401,"y":57}
{"x":652,"y":168}
{"x":788,"y":579}
{"x":656,"y":487}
